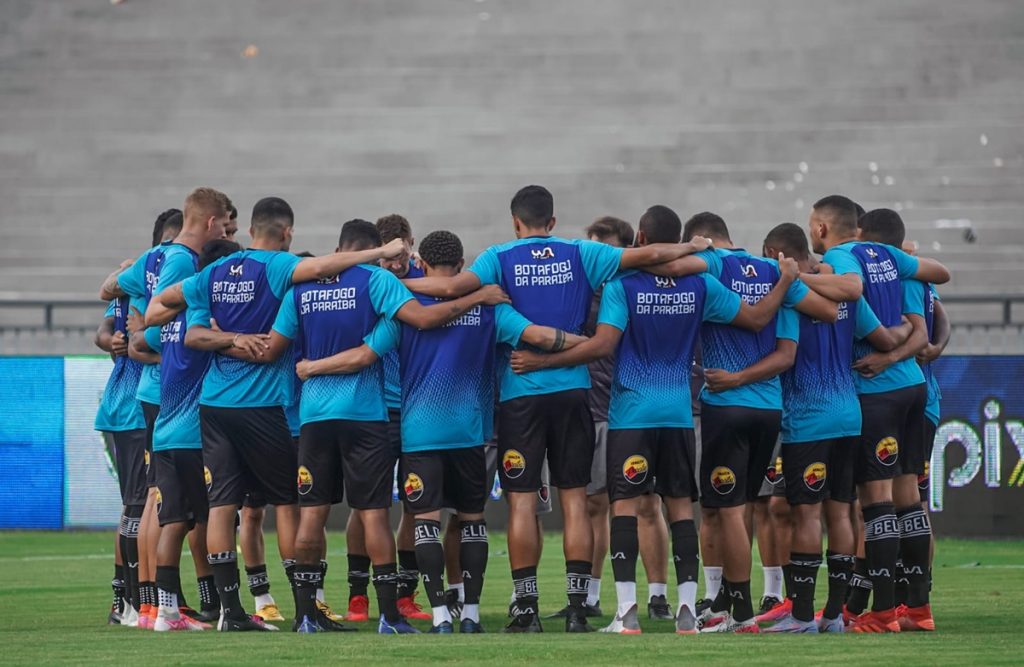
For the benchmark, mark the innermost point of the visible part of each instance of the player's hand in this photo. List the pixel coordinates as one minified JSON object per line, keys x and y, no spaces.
{"x":824,"y":269}
{"x":135,"y":320}
{"x":214,"y":326}
{"x":524,"y":361}
{"x":701,"y":243}
{"x":305,"y":369}
{"x":929,"y":354}
{"x":872,"y":364}
{"x":118,"y":344}
{"x":492,"y":295}
{"x":125,"y":264}
{"x":717,"y":379}
{"x":788,"y":267}
{"x":255,"y":345}
{"x":394,"y":248}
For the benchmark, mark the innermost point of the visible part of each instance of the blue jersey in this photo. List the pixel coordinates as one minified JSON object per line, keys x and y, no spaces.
{"x":139,"y":282}
{"x":660,"y":319}
{"x":291,"y":408}
{"x":733,"y":349}
{"x":881,"y":268}
{"x":120,"y":409}
{"x":447,"y":375}
{"x":333,"y":315}
{"x":392,"y":383}
{"x":551,"y":281}
{"x":919,"y":299}
{"x":243,"y":293}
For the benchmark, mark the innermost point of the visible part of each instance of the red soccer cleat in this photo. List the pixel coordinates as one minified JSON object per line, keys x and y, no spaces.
{"x":876,"y":622}
{"x":358,"y":609}
{"x":408,"y":607}
{"x":915,"y":619}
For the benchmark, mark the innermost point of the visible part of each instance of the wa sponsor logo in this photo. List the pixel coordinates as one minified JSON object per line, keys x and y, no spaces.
{"x":543,"y":253}
{"x":235,"y":271}
{"x":664,"y":283}
{"x":749,"y":271}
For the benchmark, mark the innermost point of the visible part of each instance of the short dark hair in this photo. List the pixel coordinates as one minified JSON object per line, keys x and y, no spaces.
{"x":169,"y":219}
{"x":441,"y":248}
{"x":843,"y":210}
{"x":359,"y":234}
{"x":533,"y":206}
{"x":706,"y":224}
{"x":393,"y":227}
{"x":271,"y":214}
{"x":233,"y":213}
{"x":606,"y":226}
{"x":304,"y":253}
{"x":790,"y":239}
{"x":214,"y":250}
{"x":883,"y":225}
{"x":660,"y":224}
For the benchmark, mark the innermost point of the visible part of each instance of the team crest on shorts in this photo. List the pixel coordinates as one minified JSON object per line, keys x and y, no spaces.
{"x":145,"y":458}
{"x":544,"y":493}
{"x":887,"y":451}
{"x":305,"y":480}
{"x":413,"y":487}
{"x":815,"y":475}
{"x":922,"y":479}
{"x":635,"y":469}
{"x":513,"y":463}
{"x":208,"y":477}
{"x":773,"y":474}
{"x":159,"y":500}
{"x":723,"y":480}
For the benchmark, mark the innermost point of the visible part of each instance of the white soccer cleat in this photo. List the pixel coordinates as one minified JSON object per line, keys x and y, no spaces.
{"x":626,"y":624}
{"x":130,"y":618}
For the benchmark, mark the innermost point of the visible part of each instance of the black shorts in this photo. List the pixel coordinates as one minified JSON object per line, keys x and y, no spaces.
{"x":341,"y":456}
{"x":455,"y":478}
{"x":805,"y":467}
{"x":645,"y":460}
{"x":556,"y":425}
{"x":841,"y":463}
{"x":130,"y":459}
{"x":248,"y":450}
{"x":180,"y":487}
{"x":737,"y":445}
{"x":774,"y":482}
{"x":892,"y":434}
{"x":150,"y":411}
{"x":924,"y":479}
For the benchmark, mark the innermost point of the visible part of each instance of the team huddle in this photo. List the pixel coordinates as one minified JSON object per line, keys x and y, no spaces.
{"x":636,"y":373}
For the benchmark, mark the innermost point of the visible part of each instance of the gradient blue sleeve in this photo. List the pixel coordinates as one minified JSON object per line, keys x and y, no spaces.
{"x":905,"y":264}
{"x":133,"y":279}
{"x":614,"y":311}
{"x":279,"y":272}
{"x":287,"y":321}
{"x":509,"y":324}
{"x":138,"y":303}
{"x":721,"y":304}
{"x":109,"y":312}
{"x":796,"y":293}
{"x":866,"y":321}
{"x":787,"y":324}
{"x":176,"y":267}
{"x":600,"y":261}
{"x":152,"y":336}
{"x":913,"y":297}
{"x":713,"y":261}
{"x":196,"y":291}
{"x":842,"y":262}
{"x":387,"y":293}
{"x":487,"y":267}
{"x":384,"y":336}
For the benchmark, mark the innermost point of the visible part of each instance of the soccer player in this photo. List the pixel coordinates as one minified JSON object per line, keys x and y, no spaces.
{"x":231,"y":228}
{"x":654,"y":323}
{"x":892,"y":402}
{"x":544,"y":415}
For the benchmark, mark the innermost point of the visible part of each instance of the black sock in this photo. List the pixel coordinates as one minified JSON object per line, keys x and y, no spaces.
{"x":900,"y":582}
{"x":225,"y":574}
{"x":860,"y":588}
{"x":430,"y":560}
{"x":130,"y":553}
{"x":881,"y":544}
{"x":803,"y":569}
{"x":742,"y":607}
{"x":722,"y":601}
{"x":915,"y":541}
{"x":289,"y":566}
{"x":473,"y":558}
{"x":358,"y":574}
{"x":167,"y":577}
{"x":787,"y":581}
{"x":385,"y":583}
{"x":323,"y":572}
{"x":208,"y":598}
{"x":408,"y":573}
{"x":117,"y":583}
{"x":524,"y":583}
{"x":624,"y":546}
{"x":685,"y":550}
{"x":840,"y":569}
{"x":258,"y":580}
{"x":181,"y":593}
{"x":577,"y":582}
{"x":306,"y":578}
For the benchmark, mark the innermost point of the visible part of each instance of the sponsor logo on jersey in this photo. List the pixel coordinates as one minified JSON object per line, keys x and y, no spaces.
{"x":870,"y":252}
{"x":513,"y":463}
{"x":749,"y":271}
{"x":635,"y":469}
{"x":664,"y":283}
{"x":773,"y":473}
{"x":208,"y":477}
{"x":235,"y":271}
{"x":887,"y":451}
{"x":814,"y":476}
{"x":413,"y":487}
{"x":723,"y":480}
{"x":544,"y":253}
{"x":305,"y":481}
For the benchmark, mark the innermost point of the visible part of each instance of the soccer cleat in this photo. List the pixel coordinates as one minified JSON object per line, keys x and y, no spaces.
{"x":915,"y":619}
{"x":576,"y":622}
{"x":847,"y":616}
{"x":270,"y":612}
{"x":451,"y":600}
{"x":591,"y":611}
{"x":444,"y":629}
{"x":324,"y":609}
{"x":710,"y":620}
{"x":748,"y":626}
{"x":793,"y":626}
{"x":401,"y":627}
{"x":774,"y":610}
{"x":528,"y":622}
{"x":306,"y":626}
{"x":876,"y":622}
{"x":686,"y":622}
{"x":702,"y":604}
{"x":176,"y":623}
{"x":114,"y":617}
{"x":209,"y":614}
{"x":358,"y":609}
{"x":130,"y":618}
{"x":146,"y":621}
{"x":409,"y":608}
{"x":248,"y":624}
{"x":831,"y":624}
{"x":657,"y":608}
{"x":626,"y":624}
{"x":186,"y":610}
{"x":470,"y":627}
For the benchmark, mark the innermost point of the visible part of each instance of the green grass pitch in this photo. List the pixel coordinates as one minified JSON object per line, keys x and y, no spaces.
{"x":54,"y":597}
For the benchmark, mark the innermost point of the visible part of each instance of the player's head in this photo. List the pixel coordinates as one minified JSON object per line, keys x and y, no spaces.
{"x":533,"y":211}
{"x":441,"y":253}
{"x":659,"y":224}
{"x":167,"y":225}
{"x":214,"y":250}
{"x":272,"y":223}
{"x":833,"y":221}
{"x":789,"y":239}
{"x":707,"y":224}
{"x":358,"y":235}
{"x":393,"y":227}
{"x":611,"y":231}
{"x":231,"y":228}
{"x":304,"y":254}
{"x":883,"y":225}
{"x":206,"y":213}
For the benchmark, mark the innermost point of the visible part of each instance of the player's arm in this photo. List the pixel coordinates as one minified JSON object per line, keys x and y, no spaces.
{"x":757,"y":316}
{"x":315,"y":268}
{"x":603,"y":343}
{"x":778,"y":361}
{"x":417,"y":315}
{"x":847,"y":287}
{"x":872,"y":364}
{"x":550,"y":339}
{"x":677,"y":268}
{"x":105,"y":334}
{"x":165,"y":306}
{"x":251,"y":347}
{"x":816,"y":306}
{"x":941,"y":332}
{"x":111,"y":288}
{"x":443,"y":287}
{"x":346,"y":362}
{"x":661,"y":253}
{"x":931,"y":271}
{"x":139,"y":349}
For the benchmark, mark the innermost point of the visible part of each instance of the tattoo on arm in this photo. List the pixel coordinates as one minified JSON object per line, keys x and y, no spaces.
{"x":559,"y":340}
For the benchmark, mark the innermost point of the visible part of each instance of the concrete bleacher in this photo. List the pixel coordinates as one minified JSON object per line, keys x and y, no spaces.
{"x":441,"y":110}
